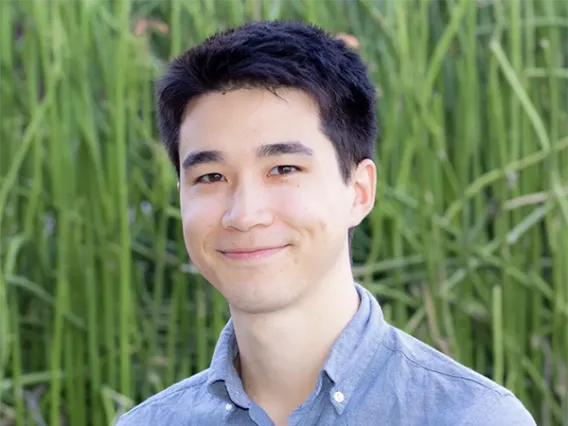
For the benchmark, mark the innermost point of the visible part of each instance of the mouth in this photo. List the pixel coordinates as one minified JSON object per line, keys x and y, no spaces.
{"x":252,"y":253}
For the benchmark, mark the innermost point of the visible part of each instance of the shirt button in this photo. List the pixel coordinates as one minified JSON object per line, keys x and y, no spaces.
{"x":228,"y":406}
{"x":339,"y":397}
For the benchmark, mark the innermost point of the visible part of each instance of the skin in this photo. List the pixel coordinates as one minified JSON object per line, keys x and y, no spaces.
{"x":265,"y":216}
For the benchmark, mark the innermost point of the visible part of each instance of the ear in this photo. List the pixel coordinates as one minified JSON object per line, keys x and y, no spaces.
{"x":178,"y":185}
{"x":364,"y":184}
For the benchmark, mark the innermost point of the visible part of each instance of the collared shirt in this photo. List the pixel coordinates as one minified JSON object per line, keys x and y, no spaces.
{"x":375,"y":374}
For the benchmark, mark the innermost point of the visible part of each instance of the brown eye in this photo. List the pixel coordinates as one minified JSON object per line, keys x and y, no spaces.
{"x":210,"y":178}
{"x":283,"y":170}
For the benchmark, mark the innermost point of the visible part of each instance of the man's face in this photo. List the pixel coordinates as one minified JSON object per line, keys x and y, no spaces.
{"x":264,"y":208}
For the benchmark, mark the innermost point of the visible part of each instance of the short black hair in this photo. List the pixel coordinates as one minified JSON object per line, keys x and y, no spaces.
{"x":273,"y":55}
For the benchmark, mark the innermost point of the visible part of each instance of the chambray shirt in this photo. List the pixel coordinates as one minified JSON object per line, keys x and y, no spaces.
{"x":375,"y":374}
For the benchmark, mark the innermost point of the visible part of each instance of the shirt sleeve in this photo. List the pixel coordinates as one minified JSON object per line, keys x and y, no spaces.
{"x":500,"y":410}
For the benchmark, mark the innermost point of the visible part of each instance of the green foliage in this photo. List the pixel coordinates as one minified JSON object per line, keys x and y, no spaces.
{"x":466,"y":249}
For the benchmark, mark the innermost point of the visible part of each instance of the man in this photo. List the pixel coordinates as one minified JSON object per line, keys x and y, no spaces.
{"x":271,"y":128}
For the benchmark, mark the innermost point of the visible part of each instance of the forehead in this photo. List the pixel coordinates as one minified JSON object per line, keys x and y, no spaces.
{"x":246,"y":118}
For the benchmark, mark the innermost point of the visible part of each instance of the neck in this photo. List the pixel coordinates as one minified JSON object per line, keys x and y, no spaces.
{"x":282,"y":353}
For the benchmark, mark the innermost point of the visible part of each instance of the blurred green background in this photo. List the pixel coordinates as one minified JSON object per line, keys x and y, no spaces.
{"x":467,"y":248}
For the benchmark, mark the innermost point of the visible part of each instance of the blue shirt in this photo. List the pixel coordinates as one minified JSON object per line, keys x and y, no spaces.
{"x":375,"y":374}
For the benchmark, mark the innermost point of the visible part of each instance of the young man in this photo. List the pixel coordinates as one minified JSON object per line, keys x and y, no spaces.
{"x":271,"y":128}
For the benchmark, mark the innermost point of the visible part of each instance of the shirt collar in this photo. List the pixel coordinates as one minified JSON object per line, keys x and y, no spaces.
{"x":352,"y":352}
{"x":223,"y":380}
{"x":345,"y":364}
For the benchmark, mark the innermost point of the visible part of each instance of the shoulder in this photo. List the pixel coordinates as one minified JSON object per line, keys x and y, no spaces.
{"x":463,"y":395}
{"x":433,"y":367}
{"x":181,"y":396}
{"x":498,"y":410}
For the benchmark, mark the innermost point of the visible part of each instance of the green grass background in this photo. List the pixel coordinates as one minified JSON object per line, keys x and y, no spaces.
{"x":467,"y":248}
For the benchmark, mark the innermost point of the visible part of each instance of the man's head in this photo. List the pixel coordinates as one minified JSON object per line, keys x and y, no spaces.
{"x":271,"y":128}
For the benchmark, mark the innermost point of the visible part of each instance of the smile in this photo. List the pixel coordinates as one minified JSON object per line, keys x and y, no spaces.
{"x":252,"y":254}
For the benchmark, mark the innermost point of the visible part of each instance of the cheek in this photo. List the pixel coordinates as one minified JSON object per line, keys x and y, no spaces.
{"x":199,"y":217}
{"x":312,"y":208}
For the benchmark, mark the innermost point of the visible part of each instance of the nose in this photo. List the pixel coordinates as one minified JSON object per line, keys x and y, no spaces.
{"x":248,"y":207}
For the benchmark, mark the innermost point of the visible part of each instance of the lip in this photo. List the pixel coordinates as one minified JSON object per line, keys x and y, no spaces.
{"x":252,"y":254}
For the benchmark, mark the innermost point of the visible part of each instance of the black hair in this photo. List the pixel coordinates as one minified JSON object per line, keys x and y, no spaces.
{"x":272,"y":55}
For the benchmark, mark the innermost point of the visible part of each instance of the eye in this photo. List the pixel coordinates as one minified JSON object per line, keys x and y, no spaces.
{"x":210,"y":178}
{"x":283,"y":170}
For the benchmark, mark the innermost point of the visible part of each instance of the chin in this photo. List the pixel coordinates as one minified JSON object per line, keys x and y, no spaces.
{"x":257,"y":294}
{"x":256,"y":306}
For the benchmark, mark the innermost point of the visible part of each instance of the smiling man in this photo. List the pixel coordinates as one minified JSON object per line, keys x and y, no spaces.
{"x":271,"y":128}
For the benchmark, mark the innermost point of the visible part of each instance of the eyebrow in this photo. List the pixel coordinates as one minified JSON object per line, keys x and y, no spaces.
{"x":292,"y":147}
{"x":194,"y":159}
{"x":202,"y":157}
